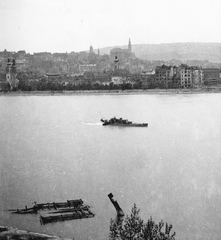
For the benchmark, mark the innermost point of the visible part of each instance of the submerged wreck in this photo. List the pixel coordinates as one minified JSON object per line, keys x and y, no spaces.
{"x":48,"y":206}
{"x":120,"y":212}
{"x":61,"y":211}
{"x":77,"y":213}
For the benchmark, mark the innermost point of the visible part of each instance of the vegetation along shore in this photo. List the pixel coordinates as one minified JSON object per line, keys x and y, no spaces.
{"x":213,"y":89}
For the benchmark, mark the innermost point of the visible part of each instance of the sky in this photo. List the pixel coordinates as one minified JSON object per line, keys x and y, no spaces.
{"x":74,"y":25}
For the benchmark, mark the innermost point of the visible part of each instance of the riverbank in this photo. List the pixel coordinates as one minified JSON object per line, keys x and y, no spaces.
{"x":212,"y":89}
{"x":13,"y":233}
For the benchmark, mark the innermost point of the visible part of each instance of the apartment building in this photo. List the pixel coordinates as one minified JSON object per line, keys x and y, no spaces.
{"x":179,"y":77}
{"x":191,"y":77}
{"x":198,"y":77}
{"x":166,"y":76}
{"x":186,"y":76}
{"x":211,"y":76}
{"x":163,"y":75}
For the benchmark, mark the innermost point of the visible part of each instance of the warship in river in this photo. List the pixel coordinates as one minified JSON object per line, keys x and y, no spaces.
{"x":121,"y":123}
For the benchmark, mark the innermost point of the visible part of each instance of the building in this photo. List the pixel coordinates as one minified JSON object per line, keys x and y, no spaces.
{"x":129,"y":46}
{"x":43,"y":55}
{"x":3,"y":83}
{"x":6,"y":54}
{"x":147,"y":80}
{"x":191,"y":77}
{"x":198,"y":77}
{"x":11,"y":74}
{"x":162,"y":74}
{"x":21,"y":54}
{"x":21,"y":64}
{"x":116,"y":63}
{"x":165,"y":75}
{"x":91,"y":50}
{"x":87,"y":68}
{"x":211,"y":76}
{"x":122,"y":54}
{"x":186,"y":76}
{"x":179,"y":77}
{"x":117,"y":80}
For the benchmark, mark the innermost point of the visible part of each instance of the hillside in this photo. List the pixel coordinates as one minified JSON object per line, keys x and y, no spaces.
{"x":178,"y":51}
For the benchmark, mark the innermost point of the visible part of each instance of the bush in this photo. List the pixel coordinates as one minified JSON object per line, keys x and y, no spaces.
{"x":134,"y":228}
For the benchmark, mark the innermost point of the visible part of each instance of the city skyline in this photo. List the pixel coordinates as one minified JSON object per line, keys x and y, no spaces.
{"x":66,"y":26}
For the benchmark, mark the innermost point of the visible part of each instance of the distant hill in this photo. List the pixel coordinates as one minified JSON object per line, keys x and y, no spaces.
{"x":178,"y":51}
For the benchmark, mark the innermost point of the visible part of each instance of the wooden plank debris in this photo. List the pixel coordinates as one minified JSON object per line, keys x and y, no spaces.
{"x":48,"y":206}
{"x":62,"y":211}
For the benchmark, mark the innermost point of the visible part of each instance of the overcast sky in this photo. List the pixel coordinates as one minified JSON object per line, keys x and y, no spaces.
{"x":74,"y":25}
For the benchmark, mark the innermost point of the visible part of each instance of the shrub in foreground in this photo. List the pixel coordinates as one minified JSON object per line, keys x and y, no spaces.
{"x":134,"y":228}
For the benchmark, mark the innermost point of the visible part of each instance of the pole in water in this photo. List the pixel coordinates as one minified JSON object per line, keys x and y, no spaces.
{"x":120,"y":212}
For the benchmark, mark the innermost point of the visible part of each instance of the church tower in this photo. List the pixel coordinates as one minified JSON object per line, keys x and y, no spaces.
{"x":129,"y":45}
{"x":91,"y":50}
{"x":116,"y":63}
{"x":11,"y":74}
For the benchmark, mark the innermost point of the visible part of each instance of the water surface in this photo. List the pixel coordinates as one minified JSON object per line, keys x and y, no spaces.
{"x":53,"y":148}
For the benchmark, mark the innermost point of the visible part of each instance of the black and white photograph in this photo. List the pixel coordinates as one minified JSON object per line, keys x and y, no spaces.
{"x":110,"y":120}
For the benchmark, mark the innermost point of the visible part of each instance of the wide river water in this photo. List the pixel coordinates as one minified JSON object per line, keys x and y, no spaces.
{"x":54,"y":148}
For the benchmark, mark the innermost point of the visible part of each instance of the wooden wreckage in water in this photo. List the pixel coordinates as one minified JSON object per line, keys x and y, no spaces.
{"x":61,"y":211}
{"x":73,"y":213}
{"x":48,"y":206}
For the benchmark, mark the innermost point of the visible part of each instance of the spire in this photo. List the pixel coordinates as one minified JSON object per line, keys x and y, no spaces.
{"x":129,"y":45}
{"x":91,"y":49}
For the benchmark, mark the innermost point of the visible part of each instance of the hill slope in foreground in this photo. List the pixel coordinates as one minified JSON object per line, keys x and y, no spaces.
{"x":12,"y":233}
{"x":179,"y":51}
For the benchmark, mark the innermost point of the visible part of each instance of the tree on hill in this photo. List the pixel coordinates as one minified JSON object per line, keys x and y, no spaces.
{"x":134,"y":228}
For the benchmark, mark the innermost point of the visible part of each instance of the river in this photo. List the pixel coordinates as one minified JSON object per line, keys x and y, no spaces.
{"x":54,"y":148}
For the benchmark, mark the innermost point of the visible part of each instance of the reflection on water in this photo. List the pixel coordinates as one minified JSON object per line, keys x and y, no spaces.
{"x":54,"y":148}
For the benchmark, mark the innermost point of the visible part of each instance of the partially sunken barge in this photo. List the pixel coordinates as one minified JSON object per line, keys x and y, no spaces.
{"x":61,"y":211}
{"x":73,"y":213}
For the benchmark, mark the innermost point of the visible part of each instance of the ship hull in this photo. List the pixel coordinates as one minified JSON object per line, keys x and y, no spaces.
{"x":126,"y":125}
